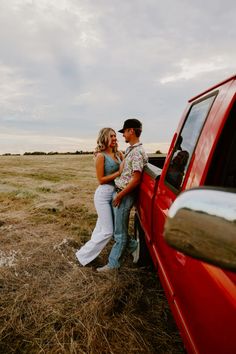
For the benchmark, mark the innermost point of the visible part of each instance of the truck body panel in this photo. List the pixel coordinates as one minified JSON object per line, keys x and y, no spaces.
{"x":202,"y":297}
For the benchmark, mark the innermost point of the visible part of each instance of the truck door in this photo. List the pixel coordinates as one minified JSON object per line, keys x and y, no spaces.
{"x":202,"y":297}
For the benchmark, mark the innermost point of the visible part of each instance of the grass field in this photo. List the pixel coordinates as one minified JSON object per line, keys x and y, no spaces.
{"x":48,"y":303}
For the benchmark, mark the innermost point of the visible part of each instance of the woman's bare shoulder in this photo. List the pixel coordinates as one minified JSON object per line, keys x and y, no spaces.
{"x":99,"y":157}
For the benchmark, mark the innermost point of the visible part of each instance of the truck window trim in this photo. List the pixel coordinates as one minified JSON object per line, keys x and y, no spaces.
{"x":198,"y":101}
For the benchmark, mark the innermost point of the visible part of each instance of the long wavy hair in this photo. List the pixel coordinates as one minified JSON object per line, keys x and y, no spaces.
{"x":104,"y":139}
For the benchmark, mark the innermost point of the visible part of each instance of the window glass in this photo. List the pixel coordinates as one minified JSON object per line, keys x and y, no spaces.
{"x":186,"y":142}
{"x":222,"y":171}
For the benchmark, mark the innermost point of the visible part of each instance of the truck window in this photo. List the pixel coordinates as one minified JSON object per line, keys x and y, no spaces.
{"x":186,"y":142}
{"x":222,"y":171}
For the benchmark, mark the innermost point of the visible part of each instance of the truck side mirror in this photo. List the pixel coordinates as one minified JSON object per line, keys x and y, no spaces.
{"x":202,"y":224}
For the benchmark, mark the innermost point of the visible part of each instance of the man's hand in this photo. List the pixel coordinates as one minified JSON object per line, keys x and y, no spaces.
{"x":134,"y":182}
{"x":117,"y":200}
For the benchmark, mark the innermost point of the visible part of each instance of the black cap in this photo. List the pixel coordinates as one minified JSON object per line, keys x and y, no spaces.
{"x":131,"y":123}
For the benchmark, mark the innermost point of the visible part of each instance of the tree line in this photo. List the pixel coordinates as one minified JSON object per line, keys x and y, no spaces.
{"x":77,"y":152}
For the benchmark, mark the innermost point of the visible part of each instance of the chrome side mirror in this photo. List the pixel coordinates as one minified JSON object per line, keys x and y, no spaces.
{"x":202,"y":224}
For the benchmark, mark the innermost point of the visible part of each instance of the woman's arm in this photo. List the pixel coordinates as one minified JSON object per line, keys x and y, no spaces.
{"x":99,"y":164}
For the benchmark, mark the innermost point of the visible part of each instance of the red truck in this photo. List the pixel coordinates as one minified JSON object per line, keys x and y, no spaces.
{"x":190,"y":204}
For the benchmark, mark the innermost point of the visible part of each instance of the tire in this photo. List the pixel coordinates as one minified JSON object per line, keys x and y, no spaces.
{"x":144,"y":255}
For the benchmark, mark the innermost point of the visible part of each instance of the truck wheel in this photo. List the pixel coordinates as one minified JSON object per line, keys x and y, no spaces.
{"x":144,"y":255}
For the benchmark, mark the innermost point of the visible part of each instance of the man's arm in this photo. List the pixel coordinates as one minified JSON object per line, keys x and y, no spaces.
{"x":134,"y":182}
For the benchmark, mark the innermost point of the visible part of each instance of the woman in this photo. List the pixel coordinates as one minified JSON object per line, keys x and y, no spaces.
{"x":108,"y":167}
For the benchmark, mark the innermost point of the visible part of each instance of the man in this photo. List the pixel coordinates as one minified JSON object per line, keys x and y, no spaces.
{"x":126,"y":183}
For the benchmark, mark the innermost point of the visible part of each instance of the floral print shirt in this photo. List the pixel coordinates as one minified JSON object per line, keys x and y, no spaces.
{"x":135,"y":160}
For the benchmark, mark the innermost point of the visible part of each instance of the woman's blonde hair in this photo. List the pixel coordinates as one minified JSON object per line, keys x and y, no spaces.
{"x":104,"y":139}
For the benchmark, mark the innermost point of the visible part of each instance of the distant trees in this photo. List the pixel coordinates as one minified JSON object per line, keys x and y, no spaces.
{"x":9,"y":154}
{"x":27,"y":153}
{"x":77,"y":152}
{"x":35,"y":153}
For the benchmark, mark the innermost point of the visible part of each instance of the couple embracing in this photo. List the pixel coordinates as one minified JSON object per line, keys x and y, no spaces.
{"x":118,"y":177}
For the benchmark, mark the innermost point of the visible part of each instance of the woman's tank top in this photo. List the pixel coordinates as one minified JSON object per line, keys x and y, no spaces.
{"x":110,"y":166}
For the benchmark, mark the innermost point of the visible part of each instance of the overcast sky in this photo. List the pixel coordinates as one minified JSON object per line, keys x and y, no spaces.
{"x":71,"y":67}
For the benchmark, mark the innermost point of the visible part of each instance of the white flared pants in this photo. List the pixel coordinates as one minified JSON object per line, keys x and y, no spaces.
{"x":103,"y":231}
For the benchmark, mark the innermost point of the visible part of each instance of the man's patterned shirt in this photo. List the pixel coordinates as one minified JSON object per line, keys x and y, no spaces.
{"x":135,"y":159}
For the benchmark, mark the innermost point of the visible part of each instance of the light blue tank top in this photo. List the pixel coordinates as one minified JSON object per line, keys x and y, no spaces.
{"x":110,"y":166}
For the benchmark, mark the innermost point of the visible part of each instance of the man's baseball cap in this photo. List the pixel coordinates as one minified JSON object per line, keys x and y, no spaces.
{"x":131,"y":123}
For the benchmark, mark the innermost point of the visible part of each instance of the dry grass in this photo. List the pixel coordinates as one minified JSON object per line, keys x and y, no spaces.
{"x":48,"y":304}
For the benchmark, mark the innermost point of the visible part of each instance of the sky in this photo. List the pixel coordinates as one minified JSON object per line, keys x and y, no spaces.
{"x":71,"y":67}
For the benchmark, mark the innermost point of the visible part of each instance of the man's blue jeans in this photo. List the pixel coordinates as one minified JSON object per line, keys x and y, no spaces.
{"x":121,"y":236}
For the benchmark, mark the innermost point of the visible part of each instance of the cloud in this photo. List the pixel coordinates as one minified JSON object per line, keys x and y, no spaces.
{"x":23,"y":142}
{"x":190,"y":70}
{"x":69,"y":67}
{"x":97,"y":96}
{"x":28,"y":143}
